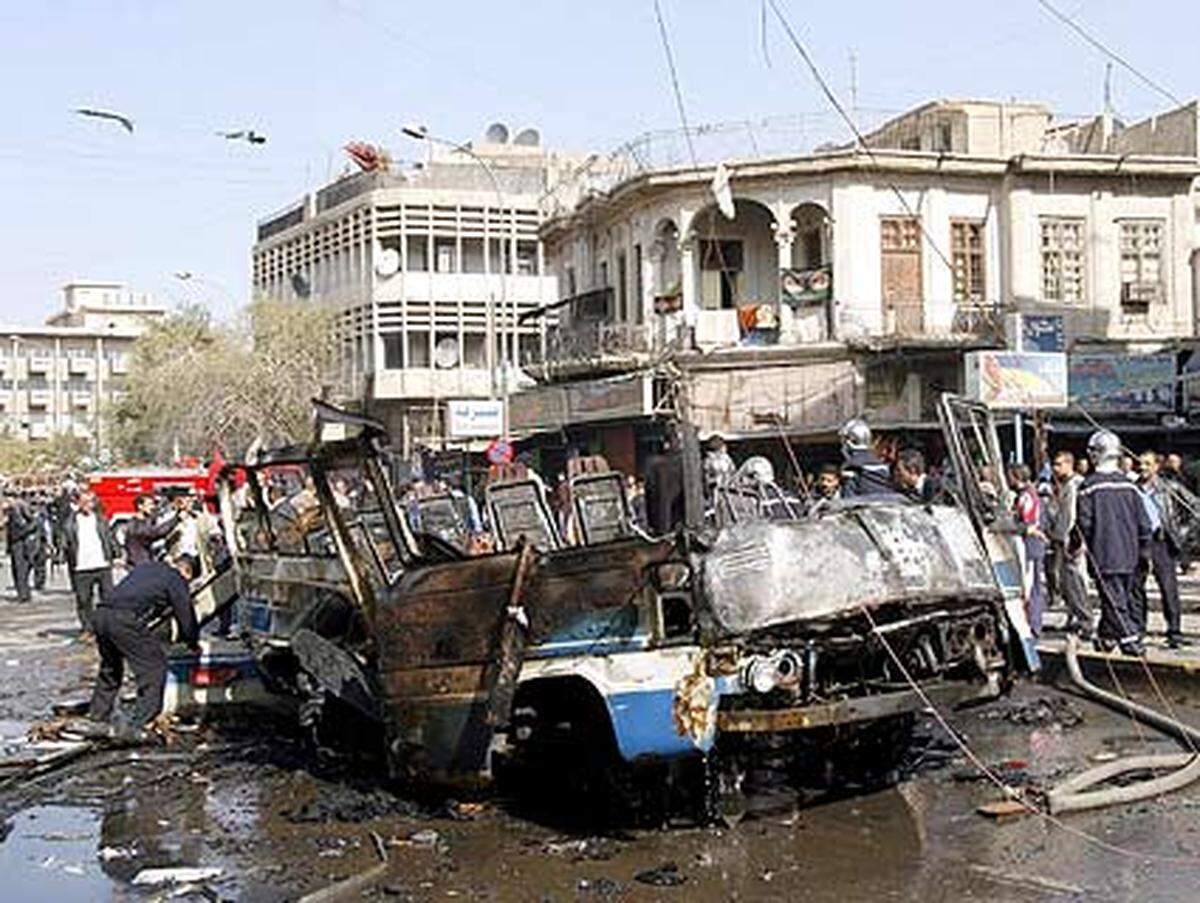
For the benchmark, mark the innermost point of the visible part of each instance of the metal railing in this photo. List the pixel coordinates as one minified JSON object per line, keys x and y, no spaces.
{"x":982,"y":321}
{"x":772,"y":136}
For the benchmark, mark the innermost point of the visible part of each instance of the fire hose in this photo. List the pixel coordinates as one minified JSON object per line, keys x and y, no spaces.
{"x":1076,"y":794}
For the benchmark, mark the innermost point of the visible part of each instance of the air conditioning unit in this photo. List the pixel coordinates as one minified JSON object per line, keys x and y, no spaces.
{"x":1136,"y":297}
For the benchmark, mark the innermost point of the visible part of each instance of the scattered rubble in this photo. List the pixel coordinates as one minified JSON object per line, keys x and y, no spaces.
{"x":182,"y":875}
{"x":1042,"y":710}
{"x":665,"y":875}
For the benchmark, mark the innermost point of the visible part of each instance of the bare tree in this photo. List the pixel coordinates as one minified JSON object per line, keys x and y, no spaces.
{"x":195,"y":385}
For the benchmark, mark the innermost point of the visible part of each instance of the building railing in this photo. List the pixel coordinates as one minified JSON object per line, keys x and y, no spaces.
{"x":586,"y":341}
{"x":980,"y":321}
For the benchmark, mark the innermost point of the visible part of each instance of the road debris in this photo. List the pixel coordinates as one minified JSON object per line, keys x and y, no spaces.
{"x":665,"y":875}
{"x":178,"y":875}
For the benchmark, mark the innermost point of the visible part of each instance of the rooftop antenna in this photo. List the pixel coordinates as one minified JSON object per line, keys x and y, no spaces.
{"x":854,"y":87}
{"x":1108,"y":99}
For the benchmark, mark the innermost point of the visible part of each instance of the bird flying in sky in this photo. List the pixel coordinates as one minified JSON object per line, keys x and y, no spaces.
{"x":107,"y":114}
{"x":243,"y":135}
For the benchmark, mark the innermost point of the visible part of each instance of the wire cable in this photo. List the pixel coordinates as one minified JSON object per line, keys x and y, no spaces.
{"x":860,"y":141}
{"x":1108,"y":52}
{"x":666,"y":42}
{"x":1007,"y":789}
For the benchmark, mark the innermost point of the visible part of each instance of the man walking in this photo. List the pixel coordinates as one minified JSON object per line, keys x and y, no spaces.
{"x":42,"y":544}
{"x":1165,"y":543}
{"x":89,"y":550}
{"x":1115,"y":529}
{"x":20,"y":532}
{"x":122,"y":627}
{"x":1029,"y":516}
{"x":1071,"y":560}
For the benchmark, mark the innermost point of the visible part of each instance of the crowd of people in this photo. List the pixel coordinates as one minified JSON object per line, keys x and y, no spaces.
{"x":123,"y":585}
{"x":1116,"y":520}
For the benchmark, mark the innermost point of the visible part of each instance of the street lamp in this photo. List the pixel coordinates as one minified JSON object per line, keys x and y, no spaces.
{"x":189,"y":276}
{"x":421,"y":133}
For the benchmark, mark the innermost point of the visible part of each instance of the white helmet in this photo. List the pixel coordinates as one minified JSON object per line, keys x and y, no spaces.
{"x":855,"y":435}
{"x":1104,"y":447}
{"x":756,"y":470}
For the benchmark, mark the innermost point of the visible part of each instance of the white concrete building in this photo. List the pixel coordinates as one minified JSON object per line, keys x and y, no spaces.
{"x":433,"y":267}
{"x":58,"y":378}
{"x":959,"y":212}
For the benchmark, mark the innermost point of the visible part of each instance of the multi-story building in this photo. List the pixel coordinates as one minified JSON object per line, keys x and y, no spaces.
{"x":794,"y":291}
{"x":58,"y":378}
{"x":433,"y":266}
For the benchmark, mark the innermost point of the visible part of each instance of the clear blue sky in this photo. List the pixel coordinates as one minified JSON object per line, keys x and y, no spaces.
{"x":82,"y":198}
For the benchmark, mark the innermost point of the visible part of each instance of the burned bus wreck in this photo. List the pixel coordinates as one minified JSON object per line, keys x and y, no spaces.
{"x":620,"y":652}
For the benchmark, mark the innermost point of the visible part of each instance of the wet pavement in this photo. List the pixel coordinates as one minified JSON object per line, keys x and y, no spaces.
{"x":245,"y":797}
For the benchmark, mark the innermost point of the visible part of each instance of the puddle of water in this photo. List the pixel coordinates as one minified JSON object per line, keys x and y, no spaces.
{"x":50,"y":854}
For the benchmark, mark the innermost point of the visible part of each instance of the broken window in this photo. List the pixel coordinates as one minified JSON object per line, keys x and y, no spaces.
{"x":417,"y":247}
{"x":1062,"y":259}
{"x":966,"y":249}
{"x":418,"y":349}
{"x":393,"y":350}
{"x":500,"y":255}
{"x":638,"y":288}
{"x":472,"y":255}
{"x":721,"y":263}
{"x":527,"y":257}
{"x":1141,"y":264}
{"x":446,"y":255}
{"x":474,"y":350}
{"x":622,"y":288}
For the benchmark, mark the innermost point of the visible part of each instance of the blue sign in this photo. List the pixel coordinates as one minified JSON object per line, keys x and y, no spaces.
{"x":1043,"y":332}
{"x":1142,"y":383}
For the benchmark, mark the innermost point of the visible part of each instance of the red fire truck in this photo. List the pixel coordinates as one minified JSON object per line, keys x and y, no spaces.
{"x":117,"y":489}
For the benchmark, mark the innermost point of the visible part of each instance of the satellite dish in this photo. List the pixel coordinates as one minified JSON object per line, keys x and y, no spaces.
{"x":445,"y":353}
{"x":387,"y":262}
{"x":300,"y":285}
{"x":528,"y":138}
{"x":497,"y":133}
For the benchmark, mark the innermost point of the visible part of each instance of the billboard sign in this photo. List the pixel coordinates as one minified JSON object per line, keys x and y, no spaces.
{"x":1017,"y":379}
{"x":1141,"y":383}
{"x":474,"y":419}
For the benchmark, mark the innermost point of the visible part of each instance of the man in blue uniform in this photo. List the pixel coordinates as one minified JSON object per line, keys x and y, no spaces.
{"x":122,"y":628}
{"x":1116,"y":534}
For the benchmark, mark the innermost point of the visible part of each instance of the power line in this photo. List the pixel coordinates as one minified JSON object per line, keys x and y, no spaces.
{"x":860,"y":141}
{"x":1111,"y":54}
{"x":666,"y":42}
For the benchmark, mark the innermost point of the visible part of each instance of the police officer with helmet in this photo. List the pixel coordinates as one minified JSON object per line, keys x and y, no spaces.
{"x":864,"y":473}
{"x":1116,"y":534}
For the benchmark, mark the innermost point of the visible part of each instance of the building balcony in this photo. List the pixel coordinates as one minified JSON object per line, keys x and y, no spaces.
{"x":40,"y":363}
{"x":81,"y":431}
{"x":920,"y":322}
{"x":39,"y":431}
{"x":82,"y":366}
{"x":81,"y":398}
{"x":119,"y":365}
{"x":41,"y":398}
{"x":432,"y":383}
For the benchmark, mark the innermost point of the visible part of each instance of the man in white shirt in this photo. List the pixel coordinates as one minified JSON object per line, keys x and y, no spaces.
{"x":89,"y":552}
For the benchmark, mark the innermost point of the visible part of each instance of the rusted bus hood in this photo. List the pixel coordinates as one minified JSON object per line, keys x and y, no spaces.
{"x":763,"y":574}
{"x":450,"y":613}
